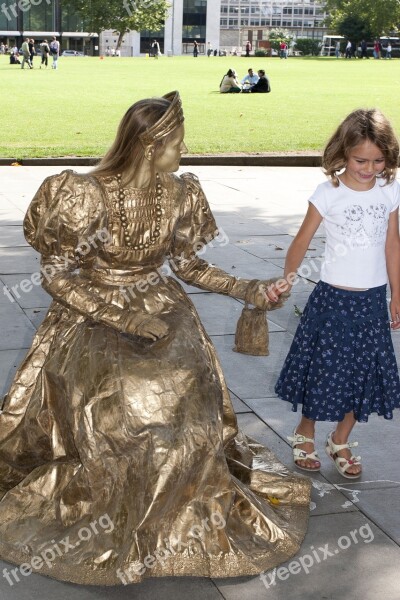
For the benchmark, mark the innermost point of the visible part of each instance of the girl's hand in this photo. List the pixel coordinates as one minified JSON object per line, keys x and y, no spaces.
{"x":276,"y":289}
{"x":395,"y":313}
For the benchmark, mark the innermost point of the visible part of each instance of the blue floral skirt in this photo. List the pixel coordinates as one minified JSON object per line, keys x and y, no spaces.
{"x":342,"y":358}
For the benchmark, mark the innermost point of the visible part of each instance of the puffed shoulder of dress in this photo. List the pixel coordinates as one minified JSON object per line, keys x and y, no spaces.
{"x":196,"y":223}
{"x":66,"y":207}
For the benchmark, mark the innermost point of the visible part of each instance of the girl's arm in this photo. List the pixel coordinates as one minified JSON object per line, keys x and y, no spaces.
{"x":392,"y":250}
{"x":296,"y":253}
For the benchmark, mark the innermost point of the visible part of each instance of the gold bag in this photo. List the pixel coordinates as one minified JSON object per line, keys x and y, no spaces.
{"x":252,"y":335}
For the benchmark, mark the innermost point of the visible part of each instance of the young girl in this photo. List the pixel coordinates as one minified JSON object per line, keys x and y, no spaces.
{"x":341,"y":365}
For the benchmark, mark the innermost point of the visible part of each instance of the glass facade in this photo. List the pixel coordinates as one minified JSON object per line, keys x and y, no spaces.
{"x":8,"y":18}
{"x":301,"y":15}
{"x":194,"y":21}
{"x":42,"y":19}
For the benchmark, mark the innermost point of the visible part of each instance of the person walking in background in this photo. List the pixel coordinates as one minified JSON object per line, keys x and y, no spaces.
{"x":389,"y":50}
{"x":32,"y":50}
{"x":195,"y":49}
{"x":337,"y":49}
{"x":341,"y":365}
{"x":26,"y":56}
{"x":45,"y":49}
{"x":377,"y":50}
{"x":248,"y":48}
{"x":283,"y":49}
{"x":55,"y":52}
{"x":155,"y":49}
{"x":349,"y":49}
{"x":364,"y":49}
{"x":209,"y":49}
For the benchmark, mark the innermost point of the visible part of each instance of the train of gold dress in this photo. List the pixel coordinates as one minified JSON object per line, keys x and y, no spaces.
{"x":120,"y":457}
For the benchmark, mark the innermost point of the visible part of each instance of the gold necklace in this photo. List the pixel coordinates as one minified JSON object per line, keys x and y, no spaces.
{"x":124,"y":219}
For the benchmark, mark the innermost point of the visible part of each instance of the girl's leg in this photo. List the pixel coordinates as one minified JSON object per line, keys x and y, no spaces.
{"x":306,"y":427}
{"x":341,"y":436}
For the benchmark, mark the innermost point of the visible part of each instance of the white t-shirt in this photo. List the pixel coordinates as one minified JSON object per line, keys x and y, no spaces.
{"x":356,"y":226}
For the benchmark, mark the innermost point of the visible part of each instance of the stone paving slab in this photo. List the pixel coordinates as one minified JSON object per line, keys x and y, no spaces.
{"x":11,"y":235}
{"x":19,"y":260}
{"x":35,"y":586}
{"x":9,"y":363}
{"x":35,"y":297}
{"x":261,"y":372}
{"x":220,"y":315}
{"x":362,"y":570}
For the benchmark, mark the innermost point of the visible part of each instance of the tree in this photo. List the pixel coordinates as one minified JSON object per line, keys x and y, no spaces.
{"x":278,"y":35}
{"x":308,"y":46}
{"x":354,"y":28}
{"x":372,"y":18}
{"x":121,"y":15}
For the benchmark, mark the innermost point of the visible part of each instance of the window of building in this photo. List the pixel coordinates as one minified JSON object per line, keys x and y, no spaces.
{"x":8,"y":20}
{"x":194,"y":20}
{"x":287,"y":11}
{"x":39,"y":18}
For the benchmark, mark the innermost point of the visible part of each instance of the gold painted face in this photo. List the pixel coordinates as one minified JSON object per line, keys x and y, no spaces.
{"x":168,"y":157}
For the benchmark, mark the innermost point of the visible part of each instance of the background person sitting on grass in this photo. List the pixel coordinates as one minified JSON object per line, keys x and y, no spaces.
{"x":262,"y":86}
{"x":249,"y":80}
{"x":230,"y":83}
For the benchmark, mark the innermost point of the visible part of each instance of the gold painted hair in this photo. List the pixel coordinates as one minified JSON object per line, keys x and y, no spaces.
{"x":146,"y":122}
{"x":357,"y":127}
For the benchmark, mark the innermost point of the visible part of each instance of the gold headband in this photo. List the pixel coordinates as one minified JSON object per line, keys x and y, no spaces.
{"x":170,"y":120}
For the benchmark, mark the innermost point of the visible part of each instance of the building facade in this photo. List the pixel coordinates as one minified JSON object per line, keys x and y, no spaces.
{"x":214,"y":24}
{"x":187,"y":21}
{"x":42,"y":20}
{"x":243,"y":20}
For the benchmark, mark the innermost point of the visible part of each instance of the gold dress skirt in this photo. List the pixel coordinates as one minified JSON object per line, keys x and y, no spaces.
{"x":120,"y":457}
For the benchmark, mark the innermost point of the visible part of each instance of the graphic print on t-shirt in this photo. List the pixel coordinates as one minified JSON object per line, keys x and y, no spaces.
{"x":364,"y":227}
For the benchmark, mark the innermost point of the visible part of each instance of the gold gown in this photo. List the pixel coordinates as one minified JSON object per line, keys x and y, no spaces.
{"x":140,"y":437}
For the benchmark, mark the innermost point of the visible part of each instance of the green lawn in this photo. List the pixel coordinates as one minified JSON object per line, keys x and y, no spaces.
{"x":75,"y":111}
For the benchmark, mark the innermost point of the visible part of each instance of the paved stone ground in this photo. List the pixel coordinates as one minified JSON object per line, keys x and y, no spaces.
{"x":259,"y":209}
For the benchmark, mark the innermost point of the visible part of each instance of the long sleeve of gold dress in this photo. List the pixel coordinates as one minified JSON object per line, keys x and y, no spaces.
{"x":128,"y":448}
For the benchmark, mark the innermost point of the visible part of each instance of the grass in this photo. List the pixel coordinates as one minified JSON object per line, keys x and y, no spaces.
{"x":75,"y":111}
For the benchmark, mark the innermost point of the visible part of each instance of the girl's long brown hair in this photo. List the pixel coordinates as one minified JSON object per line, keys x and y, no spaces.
{"x":359,"y":126}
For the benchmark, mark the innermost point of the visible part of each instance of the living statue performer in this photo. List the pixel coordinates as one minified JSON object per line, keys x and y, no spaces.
{"x":120,"y":456}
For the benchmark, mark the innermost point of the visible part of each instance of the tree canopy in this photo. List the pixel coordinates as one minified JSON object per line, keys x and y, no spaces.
{"x":121,"y":15}
{"x":358,"y":19}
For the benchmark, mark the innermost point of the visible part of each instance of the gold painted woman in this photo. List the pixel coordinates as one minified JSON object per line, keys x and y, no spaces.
{"x":120,"y":456}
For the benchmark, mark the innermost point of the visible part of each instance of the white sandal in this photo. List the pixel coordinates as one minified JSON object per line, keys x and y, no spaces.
{"x":341,"y":463}
{"x":299,"y":454}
